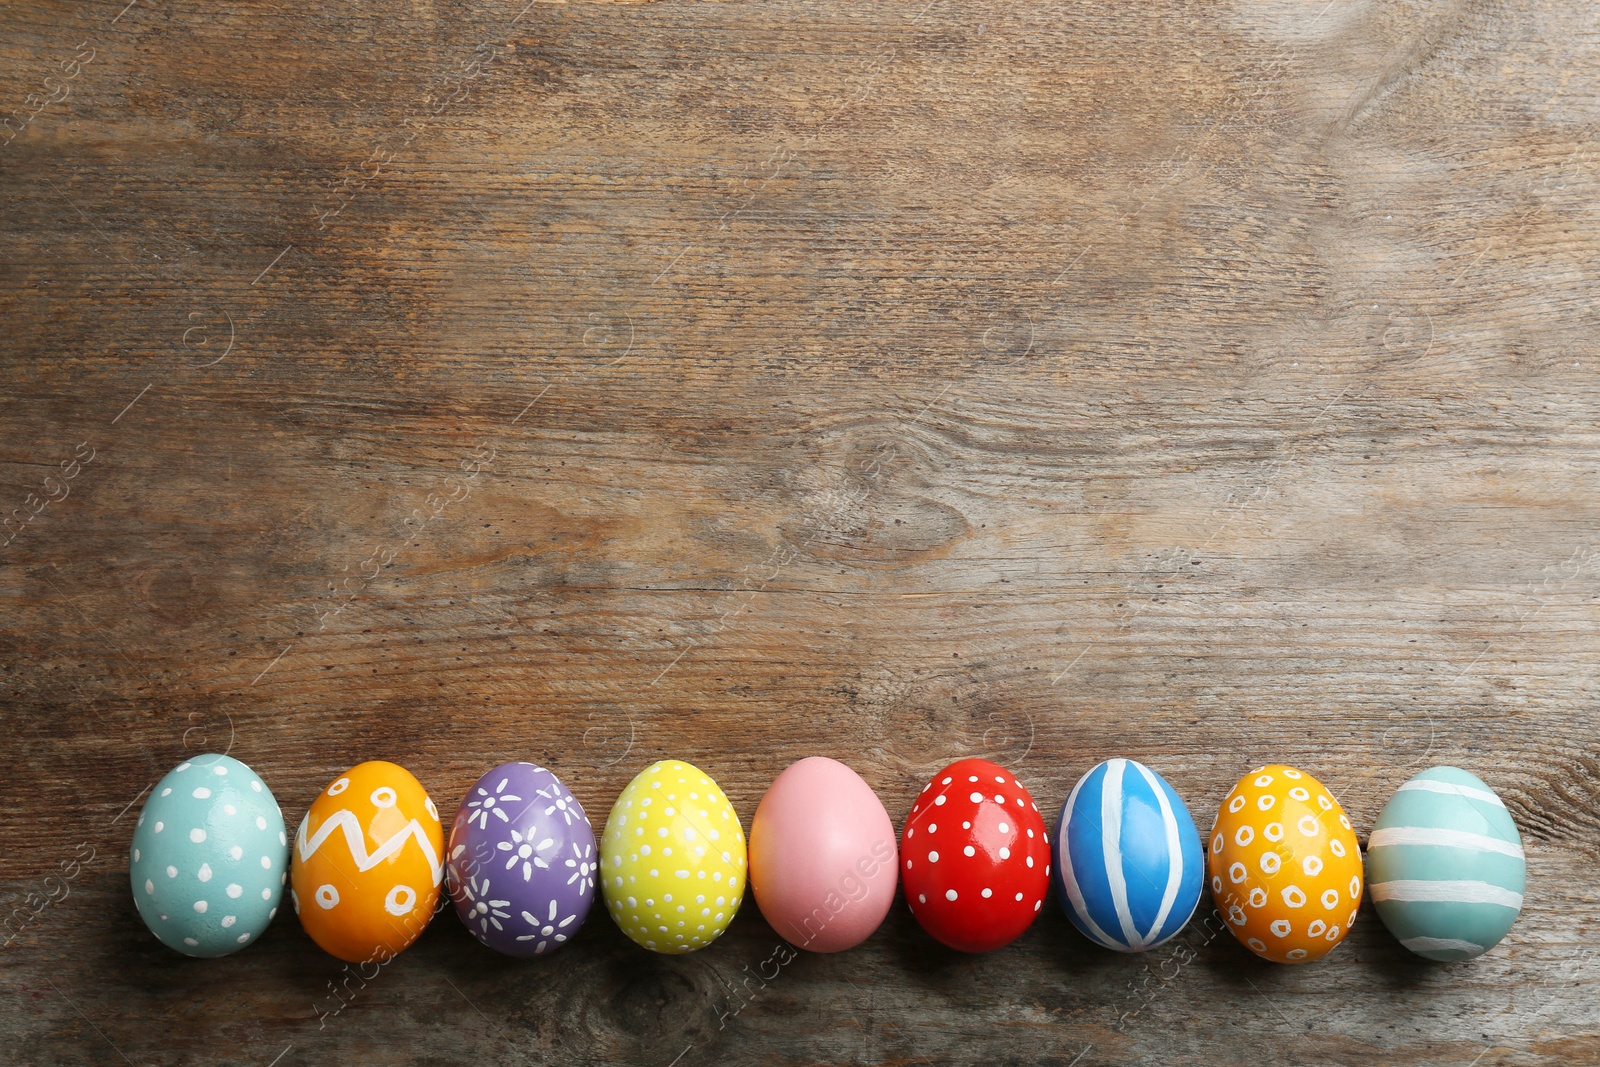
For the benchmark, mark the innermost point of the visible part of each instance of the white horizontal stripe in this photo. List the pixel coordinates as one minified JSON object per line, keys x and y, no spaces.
{"x":1428,"y":835}
{"x":1428,"y":785}
{"x":1442,"y":944}
{"x":1445,"y":892}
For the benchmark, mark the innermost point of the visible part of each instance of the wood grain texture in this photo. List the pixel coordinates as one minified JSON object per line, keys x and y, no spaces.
{"x":1210,"y":383}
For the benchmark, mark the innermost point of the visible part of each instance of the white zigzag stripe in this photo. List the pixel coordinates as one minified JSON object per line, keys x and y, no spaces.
{"x":345,"y":820}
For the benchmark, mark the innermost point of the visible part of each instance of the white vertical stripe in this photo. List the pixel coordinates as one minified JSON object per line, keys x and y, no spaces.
{"x":1111,"y":837}
{"x":1428,"y":785}
{"x":1174,"y":856}
{"x":1069,"y":877}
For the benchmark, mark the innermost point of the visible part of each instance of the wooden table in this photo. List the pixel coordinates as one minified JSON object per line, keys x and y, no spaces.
{"x":1210,"y":384}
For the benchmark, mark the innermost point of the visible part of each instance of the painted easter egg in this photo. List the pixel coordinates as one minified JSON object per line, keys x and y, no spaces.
{"x":209,"y":857}
{"x":822,"y":856}
{"x":365,"y":872}
{"x":975,"y":857}
{"x":672,"y":859}
{"x":1129,"y":866}
{"x":1285,"y":865}
{"x":1445,"y":866}
{"x":522,"y":861}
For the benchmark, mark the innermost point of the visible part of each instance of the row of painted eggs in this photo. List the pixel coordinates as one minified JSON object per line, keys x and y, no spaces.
{"x":521,"y":865}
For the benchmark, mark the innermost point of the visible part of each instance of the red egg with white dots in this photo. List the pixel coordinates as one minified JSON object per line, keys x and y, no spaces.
{"x":975,"y":857}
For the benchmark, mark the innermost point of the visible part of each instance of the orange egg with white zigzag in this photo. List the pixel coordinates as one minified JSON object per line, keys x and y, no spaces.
{"x":365,"y":867}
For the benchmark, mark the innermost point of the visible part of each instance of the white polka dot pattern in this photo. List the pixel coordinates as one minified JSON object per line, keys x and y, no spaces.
{"x":672,"y":859}
{"x":207,"y":855}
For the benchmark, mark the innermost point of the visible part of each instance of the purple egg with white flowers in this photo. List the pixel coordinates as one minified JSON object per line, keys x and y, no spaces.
{"x":521,"y":861}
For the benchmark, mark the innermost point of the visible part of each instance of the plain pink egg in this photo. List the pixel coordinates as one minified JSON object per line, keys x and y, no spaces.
{"x":822,"y":856}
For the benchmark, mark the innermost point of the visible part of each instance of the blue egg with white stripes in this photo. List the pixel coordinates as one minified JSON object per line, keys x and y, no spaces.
{"x":1129,"y":868}
{"x":1445,"y":867}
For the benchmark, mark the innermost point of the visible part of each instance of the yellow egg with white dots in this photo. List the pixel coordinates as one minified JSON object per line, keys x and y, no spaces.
{"x":672,"y":859}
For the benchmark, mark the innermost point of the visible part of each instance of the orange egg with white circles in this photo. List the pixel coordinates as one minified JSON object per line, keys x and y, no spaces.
{"x":1284,"y":865}
{"x":365,"y":866}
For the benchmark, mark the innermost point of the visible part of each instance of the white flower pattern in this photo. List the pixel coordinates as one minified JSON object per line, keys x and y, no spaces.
{"x":484,"y":803}
{"x":545,"y":929}
{"x":564,"y":803}
{"x":484,"y":912}
{"x":582,"y":868}
{"x":522,"y":851}
{"x":544,"y":830}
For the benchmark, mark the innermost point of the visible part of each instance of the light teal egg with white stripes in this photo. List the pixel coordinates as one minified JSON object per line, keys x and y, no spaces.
{"x":209,"y":857}
{"x":1445,"y":867}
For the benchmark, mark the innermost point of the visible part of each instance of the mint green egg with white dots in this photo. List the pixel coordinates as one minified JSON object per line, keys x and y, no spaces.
{"x":210,"y":857}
